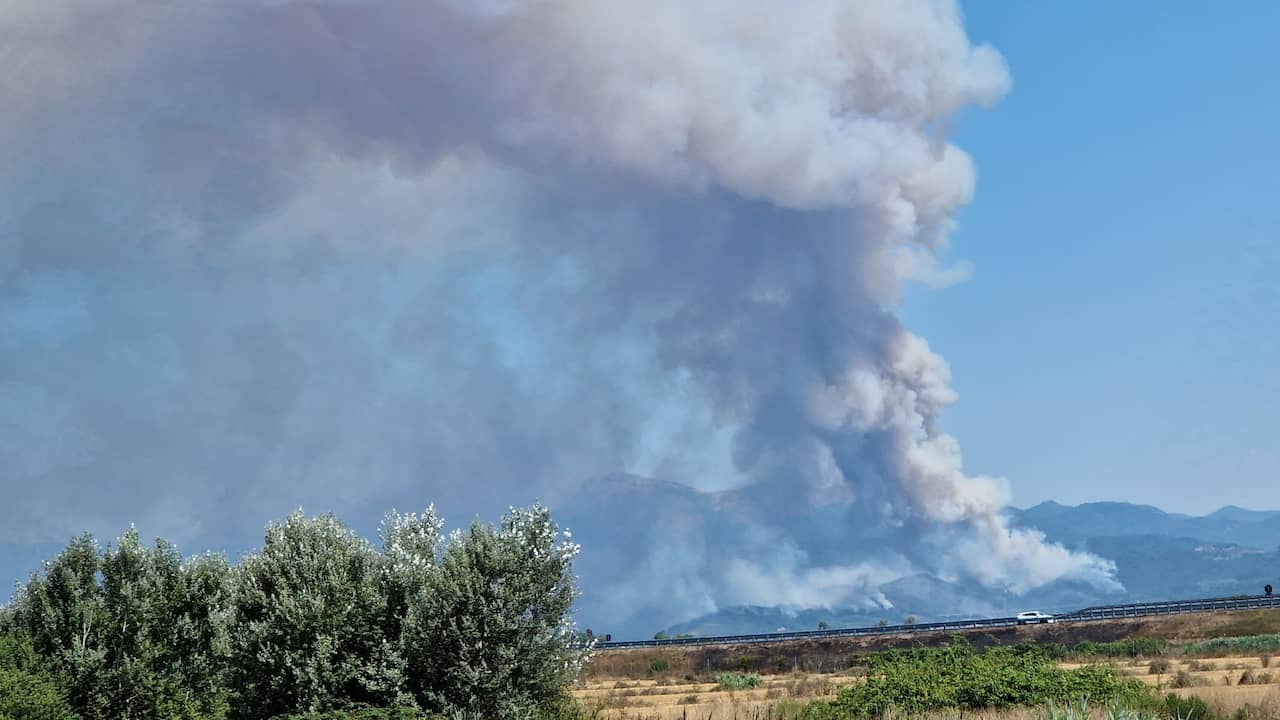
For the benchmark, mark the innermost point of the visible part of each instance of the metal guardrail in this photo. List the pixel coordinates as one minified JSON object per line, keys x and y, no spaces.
{"x":1101,"y":612}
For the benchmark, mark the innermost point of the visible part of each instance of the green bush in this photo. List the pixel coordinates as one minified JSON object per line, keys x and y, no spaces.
{"x":1054,"y":651}
{"x":32,"y":696}
{"x":659,"y":666}
{"x":923,"y":680}
{"x":737,"y":681}
{"x":1131,"y":648}
{"x":1234,"y":645}
{"x":1175,"y":707}
{"x":28,"y":691}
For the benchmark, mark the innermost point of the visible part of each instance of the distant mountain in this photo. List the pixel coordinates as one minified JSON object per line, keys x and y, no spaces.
{"x":656,"y":554}
{"x":1071,"y":525}
{"x":1158,"y":555}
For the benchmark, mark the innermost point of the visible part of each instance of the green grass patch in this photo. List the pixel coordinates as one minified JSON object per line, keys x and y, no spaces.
{"x":923,"y":680}
{"x":737,"y":681}
{"x":1234,"y":645}
{"x":1131,"y":648}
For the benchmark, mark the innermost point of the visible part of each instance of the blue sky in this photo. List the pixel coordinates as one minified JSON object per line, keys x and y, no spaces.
{"x":1119,"y":339}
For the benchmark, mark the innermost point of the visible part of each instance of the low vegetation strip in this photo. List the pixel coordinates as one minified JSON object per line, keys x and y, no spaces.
{"x":959,"y":677}
{"x":1234,"y":645}
{"x":737,"y":681}
{"x":1128,"y":648}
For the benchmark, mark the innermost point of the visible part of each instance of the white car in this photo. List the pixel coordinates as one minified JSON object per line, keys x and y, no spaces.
{"x":1034,"y":616}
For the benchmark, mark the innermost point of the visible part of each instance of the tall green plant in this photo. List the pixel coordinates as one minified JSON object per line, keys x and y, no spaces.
{"x":308,"y":631}
{"x":27,"y":689}
{"x":319,"y":621}
{"x":491,"y":633}
{"x":129,"y":629}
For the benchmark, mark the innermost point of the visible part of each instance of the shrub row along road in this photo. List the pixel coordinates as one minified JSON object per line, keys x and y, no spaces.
{"x":1101,"y":612}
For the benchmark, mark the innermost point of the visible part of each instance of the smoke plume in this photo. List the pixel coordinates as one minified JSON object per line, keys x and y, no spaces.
{"x":362,"y":253}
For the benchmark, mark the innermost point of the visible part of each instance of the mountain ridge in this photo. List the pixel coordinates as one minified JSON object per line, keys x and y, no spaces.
{"x":1158,"y":555}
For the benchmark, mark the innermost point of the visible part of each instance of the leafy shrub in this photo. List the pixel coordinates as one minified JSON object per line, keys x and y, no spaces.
{"x":1159,"y":666}
{"x":1053,"y":651}
{"x":32,"y":696}
{"x":737,"y":681}
{"x":659,"y":666}
{"x":1186,"y":708}
{"x":923,"y":680}
{"x":17,"y":652}
{"x":1133,"y":647}
{"x":1234,"y":645}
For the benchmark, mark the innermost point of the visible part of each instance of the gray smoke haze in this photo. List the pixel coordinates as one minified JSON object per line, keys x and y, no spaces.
{"x":355,"y":254}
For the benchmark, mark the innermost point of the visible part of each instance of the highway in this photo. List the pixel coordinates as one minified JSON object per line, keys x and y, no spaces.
{"x":1101,"y":612}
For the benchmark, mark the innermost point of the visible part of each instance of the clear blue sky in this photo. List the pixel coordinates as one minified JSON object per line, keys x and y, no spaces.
{"x":1120,"y":338}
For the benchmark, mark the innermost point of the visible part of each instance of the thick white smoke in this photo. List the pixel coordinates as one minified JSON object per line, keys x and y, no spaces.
{"x":367,"y":252}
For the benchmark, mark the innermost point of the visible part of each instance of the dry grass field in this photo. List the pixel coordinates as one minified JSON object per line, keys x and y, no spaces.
{"x":667,"y":699}
{"x":826,"y":655}
{"x":1215,"y":680}
{"x":622,"y":685}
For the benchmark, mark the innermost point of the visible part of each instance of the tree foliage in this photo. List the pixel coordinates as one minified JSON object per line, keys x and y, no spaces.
{"x":133,"y":631}
{"x":27,"y":689}
{"x":307,"y":632}
{"x":490,"y":631}
{"x":318,"y":623}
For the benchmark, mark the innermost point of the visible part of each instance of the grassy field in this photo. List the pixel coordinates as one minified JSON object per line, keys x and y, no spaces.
{"x":666,"y":699}
{"x":826,"y":655}
{"x":1228,"y":674}
{"x":1215,"y":680}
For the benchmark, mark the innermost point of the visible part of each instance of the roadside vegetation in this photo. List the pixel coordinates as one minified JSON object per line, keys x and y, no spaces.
{"x":958,"y":677}
{"x":1139,"y":678}
{"x":319,"y":625}
{"x":1234,"y":645}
